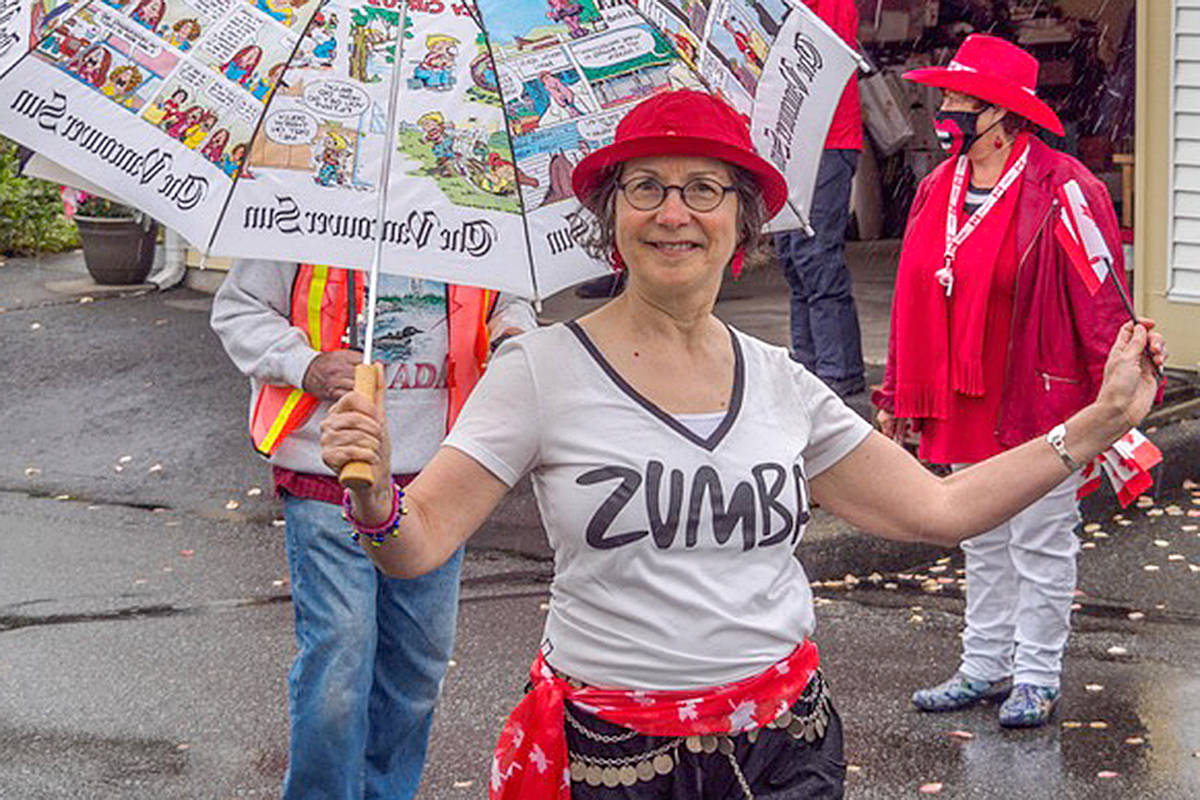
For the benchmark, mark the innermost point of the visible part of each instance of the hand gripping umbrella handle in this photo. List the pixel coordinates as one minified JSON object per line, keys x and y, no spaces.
{"x":358,"y":475}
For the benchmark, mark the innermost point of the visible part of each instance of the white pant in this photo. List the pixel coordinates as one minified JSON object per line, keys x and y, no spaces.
{"x":1020,"y":586}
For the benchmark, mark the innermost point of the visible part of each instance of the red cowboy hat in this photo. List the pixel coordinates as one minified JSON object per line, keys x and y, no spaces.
{"x":682,"y":123}
{"x":997,"y":72}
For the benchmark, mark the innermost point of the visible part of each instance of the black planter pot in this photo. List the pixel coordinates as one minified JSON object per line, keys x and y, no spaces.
{"x":116,"y":251}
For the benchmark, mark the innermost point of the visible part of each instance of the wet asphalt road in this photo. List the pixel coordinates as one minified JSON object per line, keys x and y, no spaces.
{"x":145,"y":622}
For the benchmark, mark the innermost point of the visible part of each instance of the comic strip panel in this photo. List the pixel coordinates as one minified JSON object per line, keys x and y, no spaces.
{"x":207,"y":115}
{"x":739,"y":38}
{"x":451,"y":129}
{"x":250,"y":52}
{"x":318,"y":48}
{"x":320,"y":127}
{"x":683,"y":26}
{"x":292,"y":13}
{"x":180,"y":24}
{"x":111,"y":55}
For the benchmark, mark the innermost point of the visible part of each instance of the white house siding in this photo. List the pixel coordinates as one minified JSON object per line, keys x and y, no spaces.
{"x":1184,"y":229}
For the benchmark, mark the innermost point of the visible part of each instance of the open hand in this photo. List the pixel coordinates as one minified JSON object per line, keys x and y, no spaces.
{"x":1130,"y":378}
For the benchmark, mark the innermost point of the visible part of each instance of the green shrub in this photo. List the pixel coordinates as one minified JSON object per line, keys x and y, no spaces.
{"x":31,"y":218}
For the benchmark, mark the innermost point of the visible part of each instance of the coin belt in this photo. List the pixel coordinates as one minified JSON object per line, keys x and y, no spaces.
{"x":631,"y":769}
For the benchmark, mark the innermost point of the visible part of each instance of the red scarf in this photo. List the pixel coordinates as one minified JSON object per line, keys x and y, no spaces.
{"x":939,"y":339}
{"x":531,"y":757}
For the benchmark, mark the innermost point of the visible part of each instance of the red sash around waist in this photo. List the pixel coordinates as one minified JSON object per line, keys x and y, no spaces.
{"x":530,"y":762}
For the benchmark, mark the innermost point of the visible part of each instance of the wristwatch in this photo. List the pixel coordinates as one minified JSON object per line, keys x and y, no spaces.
{"x":1057,"y":439}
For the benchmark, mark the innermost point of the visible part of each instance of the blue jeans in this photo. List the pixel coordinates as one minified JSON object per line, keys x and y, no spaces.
{"x":825,"y":333}
{"x":372,"y":654}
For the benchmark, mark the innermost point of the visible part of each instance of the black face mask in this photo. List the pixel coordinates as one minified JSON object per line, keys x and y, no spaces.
{"x":956,"y":130}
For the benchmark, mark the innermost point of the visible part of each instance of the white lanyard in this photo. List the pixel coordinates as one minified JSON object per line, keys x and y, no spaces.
{"x":954,"y":236}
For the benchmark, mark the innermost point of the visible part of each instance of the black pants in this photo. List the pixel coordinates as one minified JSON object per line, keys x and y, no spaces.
{"x":776,"y":765}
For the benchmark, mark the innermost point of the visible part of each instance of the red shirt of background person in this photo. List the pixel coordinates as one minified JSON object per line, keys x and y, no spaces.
{"x":845,"y":131}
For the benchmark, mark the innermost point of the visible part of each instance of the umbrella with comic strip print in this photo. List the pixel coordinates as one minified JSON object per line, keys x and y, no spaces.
{"x":429,"y":138}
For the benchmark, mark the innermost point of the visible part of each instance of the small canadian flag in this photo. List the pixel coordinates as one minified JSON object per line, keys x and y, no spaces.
{"x":1127,"y":464}
{"x":1079,"y":235}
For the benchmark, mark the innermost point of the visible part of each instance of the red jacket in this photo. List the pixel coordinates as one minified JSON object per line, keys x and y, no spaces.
{"x":845,"y":131}
{"x":1061,"y":335}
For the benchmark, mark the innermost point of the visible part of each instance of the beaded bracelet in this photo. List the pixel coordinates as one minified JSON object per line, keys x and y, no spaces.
{"x":377,"y":535}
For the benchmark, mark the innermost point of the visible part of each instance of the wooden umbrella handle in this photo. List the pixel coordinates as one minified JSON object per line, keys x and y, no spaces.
{"x":358,"y":475}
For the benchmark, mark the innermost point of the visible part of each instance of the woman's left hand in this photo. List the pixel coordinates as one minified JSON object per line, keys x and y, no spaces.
{"x":1131,"y":374}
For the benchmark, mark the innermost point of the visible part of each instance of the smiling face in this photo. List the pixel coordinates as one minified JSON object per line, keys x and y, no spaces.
{"x":673,"y":246}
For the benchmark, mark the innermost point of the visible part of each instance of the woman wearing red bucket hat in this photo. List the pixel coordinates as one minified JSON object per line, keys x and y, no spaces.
{"x":673,"y":459}
{"x":997,"y":338}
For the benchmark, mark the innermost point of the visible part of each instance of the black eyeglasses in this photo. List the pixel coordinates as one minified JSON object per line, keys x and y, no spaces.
{"x":699,"y":194}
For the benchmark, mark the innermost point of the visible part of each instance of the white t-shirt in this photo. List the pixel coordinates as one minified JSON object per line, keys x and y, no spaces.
{"x":651,"y":589}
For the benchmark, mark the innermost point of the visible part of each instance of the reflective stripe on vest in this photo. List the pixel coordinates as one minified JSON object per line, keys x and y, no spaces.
{"x":320,"y":308}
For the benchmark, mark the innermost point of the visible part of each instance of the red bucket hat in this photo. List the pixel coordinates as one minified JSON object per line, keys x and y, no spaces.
{"x":997,"y":72}
{"x":683,"y":123}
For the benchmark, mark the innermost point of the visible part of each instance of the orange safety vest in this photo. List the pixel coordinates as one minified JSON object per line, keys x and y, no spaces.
{"x":321,"y":308}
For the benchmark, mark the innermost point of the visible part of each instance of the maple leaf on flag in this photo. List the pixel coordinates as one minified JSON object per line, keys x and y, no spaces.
{"x":1080,"y":236}
{"x":1127,"y":464}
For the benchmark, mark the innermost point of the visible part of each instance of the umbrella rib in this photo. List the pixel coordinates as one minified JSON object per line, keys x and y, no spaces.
{"x":384,"y":182}
{"x":511,"y":150}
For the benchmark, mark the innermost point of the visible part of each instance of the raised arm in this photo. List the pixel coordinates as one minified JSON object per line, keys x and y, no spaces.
{"x":445,"y":504}
{"x":881,"y":489}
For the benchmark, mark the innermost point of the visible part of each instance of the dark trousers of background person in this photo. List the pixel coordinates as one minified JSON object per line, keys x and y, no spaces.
{"x":825,"y":332}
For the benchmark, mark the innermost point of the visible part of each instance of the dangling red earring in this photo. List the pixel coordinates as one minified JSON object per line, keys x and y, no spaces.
{"x":615,"y":261}
{"x":738,"y":262}
{"x":998,"y":142}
